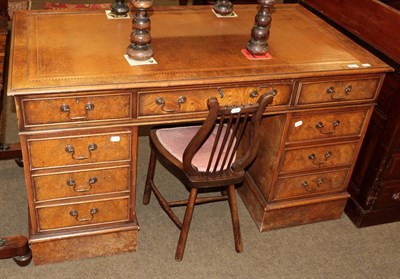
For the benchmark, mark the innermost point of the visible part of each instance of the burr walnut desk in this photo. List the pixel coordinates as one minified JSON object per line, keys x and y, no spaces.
{"x":79,"y":105}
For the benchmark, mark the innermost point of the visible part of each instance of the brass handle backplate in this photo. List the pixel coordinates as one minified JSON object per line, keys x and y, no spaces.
{"x":161,"y":102}
{"x":75,"y":213}
{"x":66,"y":109}
{"x":70,"y":149}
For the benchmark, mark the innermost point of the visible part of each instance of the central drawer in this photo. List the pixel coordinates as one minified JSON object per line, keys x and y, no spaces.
{"x":83,"y":214}
{"x":195,"y":100}
{"x":78,"y":150}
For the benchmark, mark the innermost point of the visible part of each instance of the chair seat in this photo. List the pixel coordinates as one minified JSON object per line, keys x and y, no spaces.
{"x":175,"y":140}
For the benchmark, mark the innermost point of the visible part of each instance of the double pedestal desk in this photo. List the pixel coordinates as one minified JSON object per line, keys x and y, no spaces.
{"x":79,"y":104}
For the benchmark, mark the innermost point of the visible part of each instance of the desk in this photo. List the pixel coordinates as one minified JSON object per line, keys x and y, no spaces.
{"x":79,"y":105}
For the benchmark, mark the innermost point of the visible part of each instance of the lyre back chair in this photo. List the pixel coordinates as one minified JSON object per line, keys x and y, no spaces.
{"x":207,"y":158}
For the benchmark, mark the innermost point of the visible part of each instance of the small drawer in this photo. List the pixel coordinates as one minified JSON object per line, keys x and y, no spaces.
{"x":63,"y":110}
{"x":82,"y":214}
{"x":300,"y":186}
{"x":389,"y":195}
{"x":78,"y":150}
{"x":195,"y":100}
{"x":337,"y":91}
{"x":328,"y":124}
{"x":80,"y":183}
{"x":322,"y":156}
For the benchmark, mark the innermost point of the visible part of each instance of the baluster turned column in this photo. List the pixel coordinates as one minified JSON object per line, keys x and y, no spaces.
{"x":140,"y":47}
{"x":258,"y":45}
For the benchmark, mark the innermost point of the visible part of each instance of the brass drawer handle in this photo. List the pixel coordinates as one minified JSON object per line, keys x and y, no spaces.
{"x":308,"y":188}
{"x":161,"y":102}
{"x":255,"y":93}
{"x":75,"y":213}
{"x":322,"y":130}
{"x":331,"y":91}
{"x":70,"y":149}
{"x":313,"y":158}
{"x":396,"y":197}
{"x":221,"y":92}
{"x":66,"y":109}
{"x":71,"y":182}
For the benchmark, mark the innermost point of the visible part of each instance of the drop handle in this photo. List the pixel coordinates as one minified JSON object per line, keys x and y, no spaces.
{"x":309,"y":188}
{"x":71,"y":182}
{"x":314,"y":160}
{"x":396,"y":197}
{"x":321,"y":127}
{"x":255,"y":93}
{"x":65,"y":108}
{"x":221,"y":92}
{"x":71,"y":150}
{"x":161,"y":102}
{"x":332,"y":92}
{"x":75,"y":213}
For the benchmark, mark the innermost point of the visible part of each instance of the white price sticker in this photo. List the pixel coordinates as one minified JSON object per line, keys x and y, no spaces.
{"x":115,"y":139}
{"x":298,"y":123}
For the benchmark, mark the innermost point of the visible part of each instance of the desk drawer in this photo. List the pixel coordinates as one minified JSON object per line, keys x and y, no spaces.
{"x":81,"y":214}
{"x":195,"y":100}
{"x":322,"y":156}
{"x":58,"y":110}
{"x":337,"y":91}
{"x":299,"y":186}
{"x":327,"y":124}
{"x":79,"y":150}
{"x":81,"y":183}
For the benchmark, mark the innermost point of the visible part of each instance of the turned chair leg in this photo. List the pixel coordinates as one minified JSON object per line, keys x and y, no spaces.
{"x":150,"y":177}
{"x":185,"y":226}
{"x":235,"y":219}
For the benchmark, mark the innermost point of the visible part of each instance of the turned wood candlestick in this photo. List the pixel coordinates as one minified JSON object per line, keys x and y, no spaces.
{"x":258,"y":45}
{"x":120,"y":8}
{"x":223,"y":7}
{"x":140,"y":47}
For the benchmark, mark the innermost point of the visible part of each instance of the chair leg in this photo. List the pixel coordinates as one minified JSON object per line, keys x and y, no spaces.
{"x":185,"y":226}
{"x":150,"y":176}
{"x":165,"y":206}
{"x":235,"y":219}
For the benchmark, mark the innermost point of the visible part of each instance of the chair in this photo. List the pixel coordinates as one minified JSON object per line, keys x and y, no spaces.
{"x":207,"y":158}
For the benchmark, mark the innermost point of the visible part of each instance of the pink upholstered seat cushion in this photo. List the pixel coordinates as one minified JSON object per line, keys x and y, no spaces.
{"x":175,"y":140}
